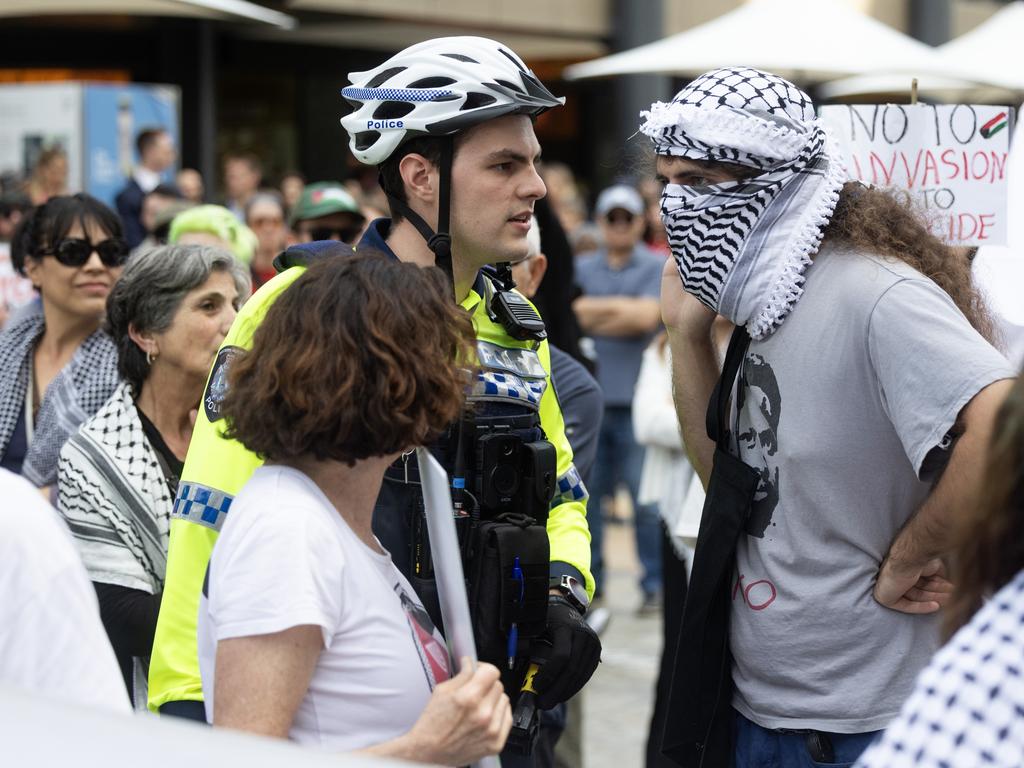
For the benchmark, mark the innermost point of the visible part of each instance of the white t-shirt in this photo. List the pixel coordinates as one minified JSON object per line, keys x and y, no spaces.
{"x":52,"y":641}
{"x":286,"y":558}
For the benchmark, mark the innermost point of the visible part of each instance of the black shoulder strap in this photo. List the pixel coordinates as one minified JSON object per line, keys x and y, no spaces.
{"x":717,"y":416}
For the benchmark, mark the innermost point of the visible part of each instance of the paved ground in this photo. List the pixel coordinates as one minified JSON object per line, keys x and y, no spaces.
{"x":619,"y":698}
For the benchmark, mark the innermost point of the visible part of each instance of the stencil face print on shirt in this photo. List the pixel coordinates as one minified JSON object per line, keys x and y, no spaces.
{"x":759,"y":440}
{"x":433,"y":655}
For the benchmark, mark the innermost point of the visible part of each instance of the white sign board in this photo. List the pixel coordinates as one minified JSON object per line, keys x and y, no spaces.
{"x":950,"y":160}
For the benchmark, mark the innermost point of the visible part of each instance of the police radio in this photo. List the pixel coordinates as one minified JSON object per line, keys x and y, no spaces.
{"x":508,"y":307}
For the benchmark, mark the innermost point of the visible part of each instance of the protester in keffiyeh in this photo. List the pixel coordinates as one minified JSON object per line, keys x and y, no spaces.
{"x":863,"y":396}
{"x":742,"y":246}
{"x":57,"y":367}
{"x":118,"y":474}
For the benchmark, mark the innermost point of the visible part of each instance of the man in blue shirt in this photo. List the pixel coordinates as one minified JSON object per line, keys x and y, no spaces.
{"x":619,"y":310}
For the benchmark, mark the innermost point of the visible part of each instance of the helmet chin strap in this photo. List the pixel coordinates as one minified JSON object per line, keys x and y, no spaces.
{"x":439,"y":242}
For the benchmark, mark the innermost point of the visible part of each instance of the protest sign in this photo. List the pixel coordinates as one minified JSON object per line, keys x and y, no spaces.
{"x":950,"y":160}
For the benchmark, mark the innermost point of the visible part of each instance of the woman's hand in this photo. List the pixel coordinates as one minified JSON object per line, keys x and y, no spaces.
{"x":466,"y":718}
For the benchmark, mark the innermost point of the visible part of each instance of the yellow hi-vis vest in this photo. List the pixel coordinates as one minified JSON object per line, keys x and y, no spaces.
{"x":216,"y":469}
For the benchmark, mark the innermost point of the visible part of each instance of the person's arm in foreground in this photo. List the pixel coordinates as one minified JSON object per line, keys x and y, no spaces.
{"x":694,"y":366}
{"x":262,"y":679}
{"x":912,"y":576}
{"x":617,"y":315}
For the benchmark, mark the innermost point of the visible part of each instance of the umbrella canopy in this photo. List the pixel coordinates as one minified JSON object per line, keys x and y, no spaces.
{"x":993,"y":48}
{"x":805,"y":40}
{"x":199,"y":9}
{"x":989,"y":53}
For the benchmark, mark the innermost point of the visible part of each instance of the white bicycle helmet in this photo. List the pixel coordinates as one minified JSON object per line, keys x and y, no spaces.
{"x":437,"y":88}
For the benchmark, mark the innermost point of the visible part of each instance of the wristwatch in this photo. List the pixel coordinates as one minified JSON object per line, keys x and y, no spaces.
{"x":573,"y":591}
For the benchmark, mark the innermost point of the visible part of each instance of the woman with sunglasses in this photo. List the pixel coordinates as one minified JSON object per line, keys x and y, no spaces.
{"x":57,"y":366}
{"x":118,"y":475}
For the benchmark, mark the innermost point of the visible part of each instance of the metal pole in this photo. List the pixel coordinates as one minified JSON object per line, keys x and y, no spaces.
{"x":208,"y":107}
{"x":931,"y":21}
{"x":636,"y":22}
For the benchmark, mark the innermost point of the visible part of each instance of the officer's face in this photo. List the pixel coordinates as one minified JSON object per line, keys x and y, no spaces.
{"x":494,"y":186}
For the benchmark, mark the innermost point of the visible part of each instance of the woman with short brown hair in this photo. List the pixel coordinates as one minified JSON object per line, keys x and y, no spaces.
{"x":307,"y":630}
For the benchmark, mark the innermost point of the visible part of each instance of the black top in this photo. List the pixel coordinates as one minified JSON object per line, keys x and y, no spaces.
{"x":17,"y":447}
{"x":169,"y":463}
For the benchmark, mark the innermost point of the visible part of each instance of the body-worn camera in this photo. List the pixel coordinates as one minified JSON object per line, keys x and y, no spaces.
{"x":515,"y":476}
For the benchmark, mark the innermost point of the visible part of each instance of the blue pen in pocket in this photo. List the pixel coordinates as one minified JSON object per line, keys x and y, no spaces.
{"x":513,"y":634}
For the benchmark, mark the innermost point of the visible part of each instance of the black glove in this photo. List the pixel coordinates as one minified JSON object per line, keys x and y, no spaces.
{"x":572,"y":656}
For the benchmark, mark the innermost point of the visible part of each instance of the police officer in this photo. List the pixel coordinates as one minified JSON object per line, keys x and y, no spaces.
{"x":449,"y":124}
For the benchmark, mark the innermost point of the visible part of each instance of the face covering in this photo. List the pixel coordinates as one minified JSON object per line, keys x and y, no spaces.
{"x":743,"y":247}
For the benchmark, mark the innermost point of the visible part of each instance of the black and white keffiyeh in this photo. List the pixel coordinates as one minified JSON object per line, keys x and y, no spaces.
{"x":114,"y":497}
{"x":742,"y":247}
{"x":77,"y":392}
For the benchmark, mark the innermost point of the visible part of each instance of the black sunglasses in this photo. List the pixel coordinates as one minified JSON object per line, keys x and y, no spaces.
{"x":619,"y":216}
{"x":75,"y":252}
{"x":344,"y":235}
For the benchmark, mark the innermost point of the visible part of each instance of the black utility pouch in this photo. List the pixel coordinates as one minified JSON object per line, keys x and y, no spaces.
{"x":498,"y":599}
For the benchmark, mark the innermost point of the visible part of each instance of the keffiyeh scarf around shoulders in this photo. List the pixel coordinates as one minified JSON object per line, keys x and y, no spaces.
{"x":742,"y":247}
{"x":114,"y":496}
{"x":75,"y":394}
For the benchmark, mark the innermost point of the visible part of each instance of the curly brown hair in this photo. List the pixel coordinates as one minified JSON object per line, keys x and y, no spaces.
{"x":990,"y":549}
{"x":877,"y":220}
{"x":359,"y":357}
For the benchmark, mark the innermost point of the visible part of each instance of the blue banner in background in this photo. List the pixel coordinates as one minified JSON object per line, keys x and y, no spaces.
{"x":113,"y":116}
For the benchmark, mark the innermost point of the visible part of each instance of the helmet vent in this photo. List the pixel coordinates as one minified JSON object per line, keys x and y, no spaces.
{"x":510,"y":86}
{"x":475,"y":100}
{"x":383,"y":77}
{"x":431,"y":82}
{"x":460,"y":57}
{"x":513,"y":59}
{"x":366,"y":139}
{"x":393,"y":110}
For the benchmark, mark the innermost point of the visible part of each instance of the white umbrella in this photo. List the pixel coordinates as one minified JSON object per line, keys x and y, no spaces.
{"x":992,"y":49}
{"x":200,"y":9}
{"x":990,"y":53}
{"x":805,"y":40}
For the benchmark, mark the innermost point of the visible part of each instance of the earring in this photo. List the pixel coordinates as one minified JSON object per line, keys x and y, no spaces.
{"x":149,"y":357}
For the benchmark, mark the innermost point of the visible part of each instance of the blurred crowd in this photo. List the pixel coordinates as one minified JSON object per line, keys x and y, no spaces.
{"x":616,"y":241}
{"x":169,"y":265}
{"x":849,"y":505}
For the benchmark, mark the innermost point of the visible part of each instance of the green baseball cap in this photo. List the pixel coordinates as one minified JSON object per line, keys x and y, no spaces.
{"x":323,"y":199}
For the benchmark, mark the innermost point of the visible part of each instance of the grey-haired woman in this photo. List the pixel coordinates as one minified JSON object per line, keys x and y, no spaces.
{"x":118,"y":475}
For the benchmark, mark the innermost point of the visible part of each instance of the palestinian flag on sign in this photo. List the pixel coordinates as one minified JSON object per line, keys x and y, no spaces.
{"x":993,"y":126}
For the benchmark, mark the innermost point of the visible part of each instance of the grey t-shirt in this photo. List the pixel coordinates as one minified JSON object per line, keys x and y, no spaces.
{"x":619,"y":357}
{"x":838,"y":410}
